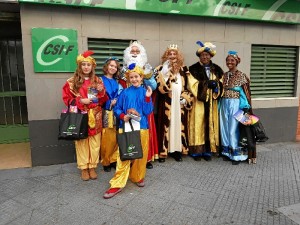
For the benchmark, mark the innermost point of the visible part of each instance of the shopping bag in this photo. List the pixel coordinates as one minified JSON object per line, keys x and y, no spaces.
{"x":130,"y":146}
{"x":259,"y":131}
{"x":73,"y":125}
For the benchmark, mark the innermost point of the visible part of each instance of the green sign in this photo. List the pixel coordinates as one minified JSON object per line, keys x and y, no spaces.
{"x":283,"y":11}
{"x":54,"y":50}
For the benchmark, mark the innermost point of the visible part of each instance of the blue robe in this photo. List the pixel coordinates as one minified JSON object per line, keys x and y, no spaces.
{"x":134,"y":97}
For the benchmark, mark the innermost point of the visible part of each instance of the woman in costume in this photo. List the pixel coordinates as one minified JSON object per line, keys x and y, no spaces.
{"x":87,"y":92}
{"x":109,"y":146}
{"x":174,"y":102}
{"x":236,"y":97}
{"x":133,"y":100}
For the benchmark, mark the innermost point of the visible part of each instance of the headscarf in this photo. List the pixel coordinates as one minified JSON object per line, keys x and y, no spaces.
{"x":235,"y":56}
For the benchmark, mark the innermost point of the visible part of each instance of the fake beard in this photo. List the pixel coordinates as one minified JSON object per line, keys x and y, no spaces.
{"x":139,"y":60}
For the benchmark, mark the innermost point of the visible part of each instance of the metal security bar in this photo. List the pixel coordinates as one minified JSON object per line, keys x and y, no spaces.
{"x":13,"y":105}
{"x":105,"y":48}
{"x":273,"y":71}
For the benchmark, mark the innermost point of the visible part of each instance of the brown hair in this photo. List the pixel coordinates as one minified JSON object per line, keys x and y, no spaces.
{"x":105,"y":68}
{"x":79,"y":78}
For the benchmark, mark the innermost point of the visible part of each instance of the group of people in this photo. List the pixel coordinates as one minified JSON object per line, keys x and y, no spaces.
{"x":195,"y":108}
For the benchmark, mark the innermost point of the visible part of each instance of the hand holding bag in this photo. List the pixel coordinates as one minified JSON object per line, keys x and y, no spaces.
{"x":73,"y":125}
{"x":130,"y":146}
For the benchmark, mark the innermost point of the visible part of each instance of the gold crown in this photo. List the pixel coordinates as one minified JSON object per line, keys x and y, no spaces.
{"x":173,"y":46}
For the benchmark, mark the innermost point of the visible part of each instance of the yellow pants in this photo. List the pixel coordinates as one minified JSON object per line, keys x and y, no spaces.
{"x":135,"y":172}
{"x":87,"y":152}
{"x":109,"y":146}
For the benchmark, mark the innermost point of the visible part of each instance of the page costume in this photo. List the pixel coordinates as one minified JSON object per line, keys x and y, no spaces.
{"x":141,"y":60}
{"x":236,"y":96}
{"x":87,"y":150}
{"x":133,"y":97}
{"x":109,"y":146}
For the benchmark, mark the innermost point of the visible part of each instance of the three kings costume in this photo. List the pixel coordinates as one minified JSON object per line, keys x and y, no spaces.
{"x":172,"y":115}
{"x":204,"y":118}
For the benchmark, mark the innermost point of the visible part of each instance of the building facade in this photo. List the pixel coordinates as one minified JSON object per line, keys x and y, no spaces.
{"x":252,"y":38}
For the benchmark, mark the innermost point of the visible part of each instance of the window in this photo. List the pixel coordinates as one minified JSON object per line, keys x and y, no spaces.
{"x":105,"y":48}
{"x":273,"y":71}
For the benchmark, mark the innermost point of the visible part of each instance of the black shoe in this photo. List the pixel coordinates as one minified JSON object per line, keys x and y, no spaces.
{"x":161,"y":160}
{"x":106,"y":168}
{"x":225,"y":158}
{"x":113,"y":165}
{"x":235,"y":162}
{"x":197,"y":158}
{"x":149,"y":165}
{"x":207,"y":158}
{"x":176,"y":156}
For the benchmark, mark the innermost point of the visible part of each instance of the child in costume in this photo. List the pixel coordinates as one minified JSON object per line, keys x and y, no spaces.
{"x":87,"y":92}
{"x":113,"y":89}
{"x":135,"y":100}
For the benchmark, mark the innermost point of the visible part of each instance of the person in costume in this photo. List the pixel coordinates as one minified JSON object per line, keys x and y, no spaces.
{"x":136,"y":53}
{"x":86,"y":91}
{"x":109,"y":146}
{"x":237,"y":96}
{"x":174,"y":102}
{"x":135,"y":100}
{"x":205,"y":83}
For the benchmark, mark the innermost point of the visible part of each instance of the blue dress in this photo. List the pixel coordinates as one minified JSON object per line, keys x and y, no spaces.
{"x":234,"y":98}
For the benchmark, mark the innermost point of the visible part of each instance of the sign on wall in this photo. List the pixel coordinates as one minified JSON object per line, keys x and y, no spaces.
{"x":54,"y":50}
{"x":283,"y":11}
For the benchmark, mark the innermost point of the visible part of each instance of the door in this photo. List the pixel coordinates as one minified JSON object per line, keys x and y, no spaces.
{"x":13,"y":105}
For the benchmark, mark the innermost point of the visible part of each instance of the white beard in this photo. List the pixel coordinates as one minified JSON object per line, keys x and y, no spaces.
{"x":139,"y":60}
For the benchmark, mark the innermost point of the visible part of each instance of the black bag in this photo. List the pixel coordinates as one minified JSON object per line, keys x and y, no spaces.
{"x":73,"y":126}
{"x":259,"y":131}
{"x":130,"y":146}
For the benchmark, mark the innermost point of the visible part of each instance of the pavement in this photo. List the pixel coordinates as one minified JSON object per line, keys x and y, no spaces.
{"x":180,"y":193}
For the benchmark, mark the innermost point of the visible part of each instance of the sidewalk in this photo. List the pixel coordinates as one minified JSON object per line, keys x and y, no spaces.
{"x":179,"y":193}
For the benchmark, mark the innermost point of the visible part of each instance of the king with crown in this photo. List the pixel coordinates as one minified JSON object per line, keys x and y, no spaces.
{"x":174,"y":102}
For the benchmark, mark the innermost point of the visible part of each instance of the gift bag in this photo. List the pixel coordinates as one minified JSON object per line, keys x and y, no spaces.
{"x":259,"y":131}
{"x":73,"y":125}
{"x":130,"y":146}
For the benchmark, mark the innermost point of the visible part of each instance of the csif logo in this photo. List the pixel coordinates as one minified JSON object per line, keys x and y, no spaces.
{"x":54,"y":50}
{"x":48,"y":48}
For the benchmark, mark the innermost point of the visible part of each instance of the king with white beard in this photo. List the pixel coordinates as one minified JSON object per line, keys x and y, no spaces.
{"x":136,"y":53}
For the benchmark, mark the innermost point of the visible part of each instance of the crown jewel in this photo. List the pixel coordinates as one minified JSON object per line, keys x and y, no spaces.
{"x":173,"y":46}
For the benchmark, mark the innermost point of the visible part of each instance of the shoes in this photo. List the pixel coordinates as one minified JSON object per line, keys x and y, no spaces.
{"x":107,"y":168}
{"x":254,"y":160}
{"x":85,"y":176}
{"x":141,"y":183}
{"x":113,"y":165}
{"x":249,"y":161}
{"x":235,"y":162}
{"x":161,"y":160}
{"x":197,"y":158}
{"x":225,"y":158}
{"x":93,"y":174}
{"x":176,"y":156}
{"x":111,"y":192}
{"x":207,"y":158}
{"x":149,"y":165}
